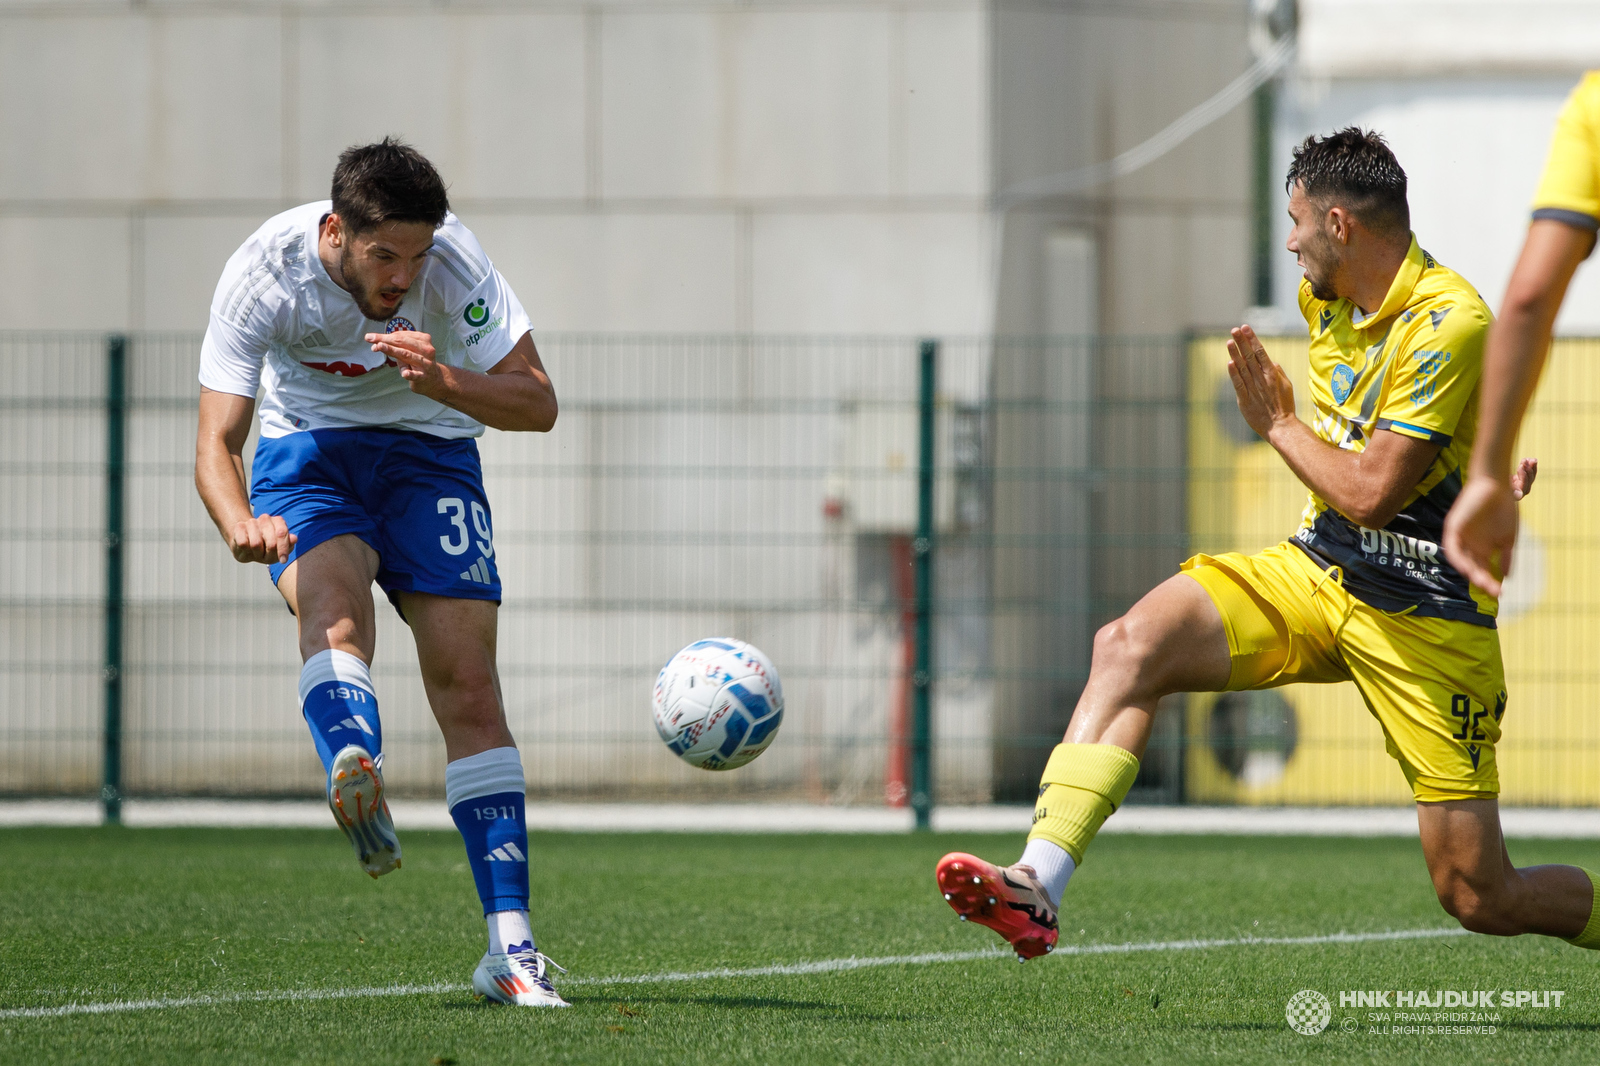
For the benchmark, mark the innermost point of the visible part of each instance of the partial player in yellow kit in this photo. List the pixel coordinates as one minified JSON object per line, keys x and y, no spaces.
{"x":1362,"y":592}
{"x":1482,"y":528}
{"x":1377,"y":603}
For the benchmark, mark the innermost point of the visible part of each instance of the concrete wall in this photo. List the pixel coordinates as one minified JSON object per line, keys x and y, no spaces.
{"x":705,"y":167}
{"x":1076,"y":84}
{"x":700,"y":167}
{"x":1468,"y":100}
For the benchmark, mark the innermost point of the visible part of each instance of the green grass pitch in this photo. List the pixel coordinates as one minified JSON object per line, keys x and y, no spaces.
{"x":96,"y":916}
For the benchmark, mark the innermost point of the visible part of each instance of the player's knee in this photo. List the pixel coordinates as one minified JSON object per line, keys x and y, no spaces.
{"x":1126,"y":648}
{"x":1478,"y":911}
{"x":331,"y":625}
{"x":466,"y":681}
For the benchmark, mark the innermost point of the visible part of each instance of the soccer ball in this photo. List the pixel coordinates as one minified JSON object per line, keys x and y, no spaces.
{"x":718,"y":703}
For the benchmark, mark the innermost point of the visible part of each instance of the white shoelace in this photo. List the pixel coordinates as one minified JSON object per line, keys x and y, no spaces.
{"x":539,"y":961}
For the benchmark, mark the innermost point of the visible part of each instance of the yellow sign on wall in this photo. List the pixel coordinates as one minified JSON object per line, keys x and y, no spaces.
{"x":1318,"y":744}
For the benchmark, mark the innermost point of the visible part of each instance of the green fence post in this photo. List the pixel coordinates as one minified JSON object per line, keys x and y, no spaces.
{"x":922,"y":568}
{"x":116,"y":474}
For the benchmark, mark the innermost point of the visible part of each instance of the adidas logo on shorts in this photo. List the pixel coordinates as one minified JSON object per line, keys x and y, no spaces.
{"x":479,"y":573}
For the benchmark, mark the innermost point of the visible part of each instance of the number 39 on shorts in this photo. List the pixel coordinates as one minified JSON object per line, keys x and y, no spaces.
{"x":459,"y":537}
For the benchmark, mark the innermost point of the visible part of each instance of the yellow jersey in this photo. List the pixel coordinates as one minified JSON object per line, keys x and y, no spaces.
{"x":1411,"y":367}
{"x":1569,"y":191}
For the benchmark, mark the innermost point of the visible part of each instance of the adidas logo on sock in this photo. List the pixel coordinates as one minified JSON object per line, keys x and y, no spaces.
{"x":507,"y":852}
{"x":355,"y":721}
{"x":479,"y":573}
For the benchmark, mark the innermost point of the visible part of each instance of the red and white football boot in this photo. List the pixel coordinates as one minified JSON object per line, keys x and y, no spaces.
{"x":1008,"y":899}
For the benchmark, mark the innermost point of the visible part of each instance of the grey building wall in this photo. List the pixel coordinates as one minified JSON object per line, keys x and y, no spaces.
{"x":1074,"y":84}
{"x":709,"y":167}
{"x":698,"y":167}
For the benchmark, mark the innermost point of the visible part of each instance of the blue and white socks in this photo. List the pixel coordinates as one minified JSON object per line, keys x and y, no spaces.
{"x":487,"y":796}
{"x":486,"y":792}
{"x":337,"y":701}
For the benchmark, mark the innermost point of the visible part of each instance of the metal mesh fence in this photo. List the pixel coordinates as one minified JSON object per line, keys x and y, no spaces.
{"x":1318,"y":743}
{"x":763,"y":488}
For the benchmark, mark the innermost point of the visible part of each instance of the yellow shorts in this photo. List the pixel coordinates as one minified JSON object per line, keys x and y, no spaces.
{"x":1436,"y":686}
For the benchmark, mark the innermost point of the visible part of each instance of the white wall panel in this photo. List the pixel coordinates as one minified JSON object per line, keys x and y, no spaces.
{"x":871,"y":273}
{"x":516,"y":90}
{"x":664,"y":103}
{"x":215,"y":125}
{"x":812,"y":103}
{"x":74,"y":95}
{"x":1432,"y":37}
{"x":64,"y":273}
{"x":617,"y":272}
{"x":945,"y":103}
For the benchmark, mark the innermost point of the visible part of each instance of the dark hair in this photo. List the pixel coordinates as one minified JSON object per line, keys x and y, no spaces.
{"x":1355,"y":169}
{"x":387,"y":182}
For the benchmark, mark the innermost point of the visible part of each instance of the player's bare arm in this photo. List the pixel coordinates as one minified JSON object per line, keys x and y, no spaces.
{"x":1369,"y":486}
{"x":220,"y":478}
{"x":515,"y":394}
{"x":1482,"y":526}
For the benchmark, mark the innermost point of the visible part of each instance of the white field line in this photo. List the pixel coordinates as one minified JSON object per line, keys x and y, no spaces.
{"x":786,"y":969}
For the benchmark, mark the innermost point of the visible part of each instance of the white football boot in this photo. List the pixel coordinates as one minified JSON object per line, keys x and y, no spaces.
{"x":519,"y":979}
{"x":355,"y":795}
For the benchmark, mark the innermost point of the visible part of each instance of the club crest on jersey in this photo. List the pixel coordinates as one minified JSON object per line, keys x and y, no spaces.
{"x":399,"y":324}
{"x":1342,"y":381}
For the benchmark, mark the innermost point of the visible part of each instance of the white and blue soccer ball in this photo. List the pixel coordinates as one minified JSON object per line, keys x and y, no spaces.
{"x":718,"y":703}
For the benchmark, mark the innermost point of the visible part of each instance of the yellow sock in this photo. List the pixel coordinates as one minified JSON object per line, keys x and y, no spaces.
{"x":1082,"y":785}
{"x":1590,"y":937}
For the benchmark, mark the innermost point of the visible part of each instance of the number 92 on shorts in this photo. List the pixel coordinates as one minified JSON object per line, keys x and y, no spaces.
{"x":415,"y":499}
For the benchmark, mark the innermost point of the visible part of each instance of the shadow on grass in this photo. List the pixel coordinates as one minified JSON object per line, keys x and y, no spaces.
{"x":838,"y":1011}
{"x":825,"y":1011}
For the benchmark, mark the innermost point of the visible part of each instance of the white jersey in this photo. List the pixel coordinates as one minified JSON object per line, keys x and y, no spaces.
{"x":278,"y":322}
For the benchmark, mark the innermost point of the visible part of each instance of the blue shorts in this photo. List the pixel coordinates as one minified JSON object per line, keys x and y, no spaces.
{"x":415,"y":499}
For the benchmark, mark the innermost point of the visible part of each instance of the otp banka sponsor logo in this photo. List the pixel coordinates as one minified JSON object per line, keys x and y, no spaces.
{"x":477,"y":316}
{"x":1400,"y":551}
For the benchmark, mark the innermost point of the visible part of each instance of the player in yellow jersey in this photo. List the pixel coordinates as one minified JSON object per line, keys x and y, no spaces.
{"x":1362,"y":592}
{"x":1482,"y":526}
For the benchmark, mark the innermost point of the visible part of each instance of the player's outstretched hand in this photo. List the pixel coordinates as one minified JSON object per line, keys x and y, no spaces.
{"x":1522,"y":480}
{"x":1481,"y":528}
{"x":262,"y":539}
{"x":413,"y":350}
{"x":1265,"y":394}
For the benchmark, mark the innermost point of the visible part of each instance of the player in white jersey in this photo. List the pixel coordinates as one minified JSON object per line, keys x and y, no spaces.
{"x":383,"y":342}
